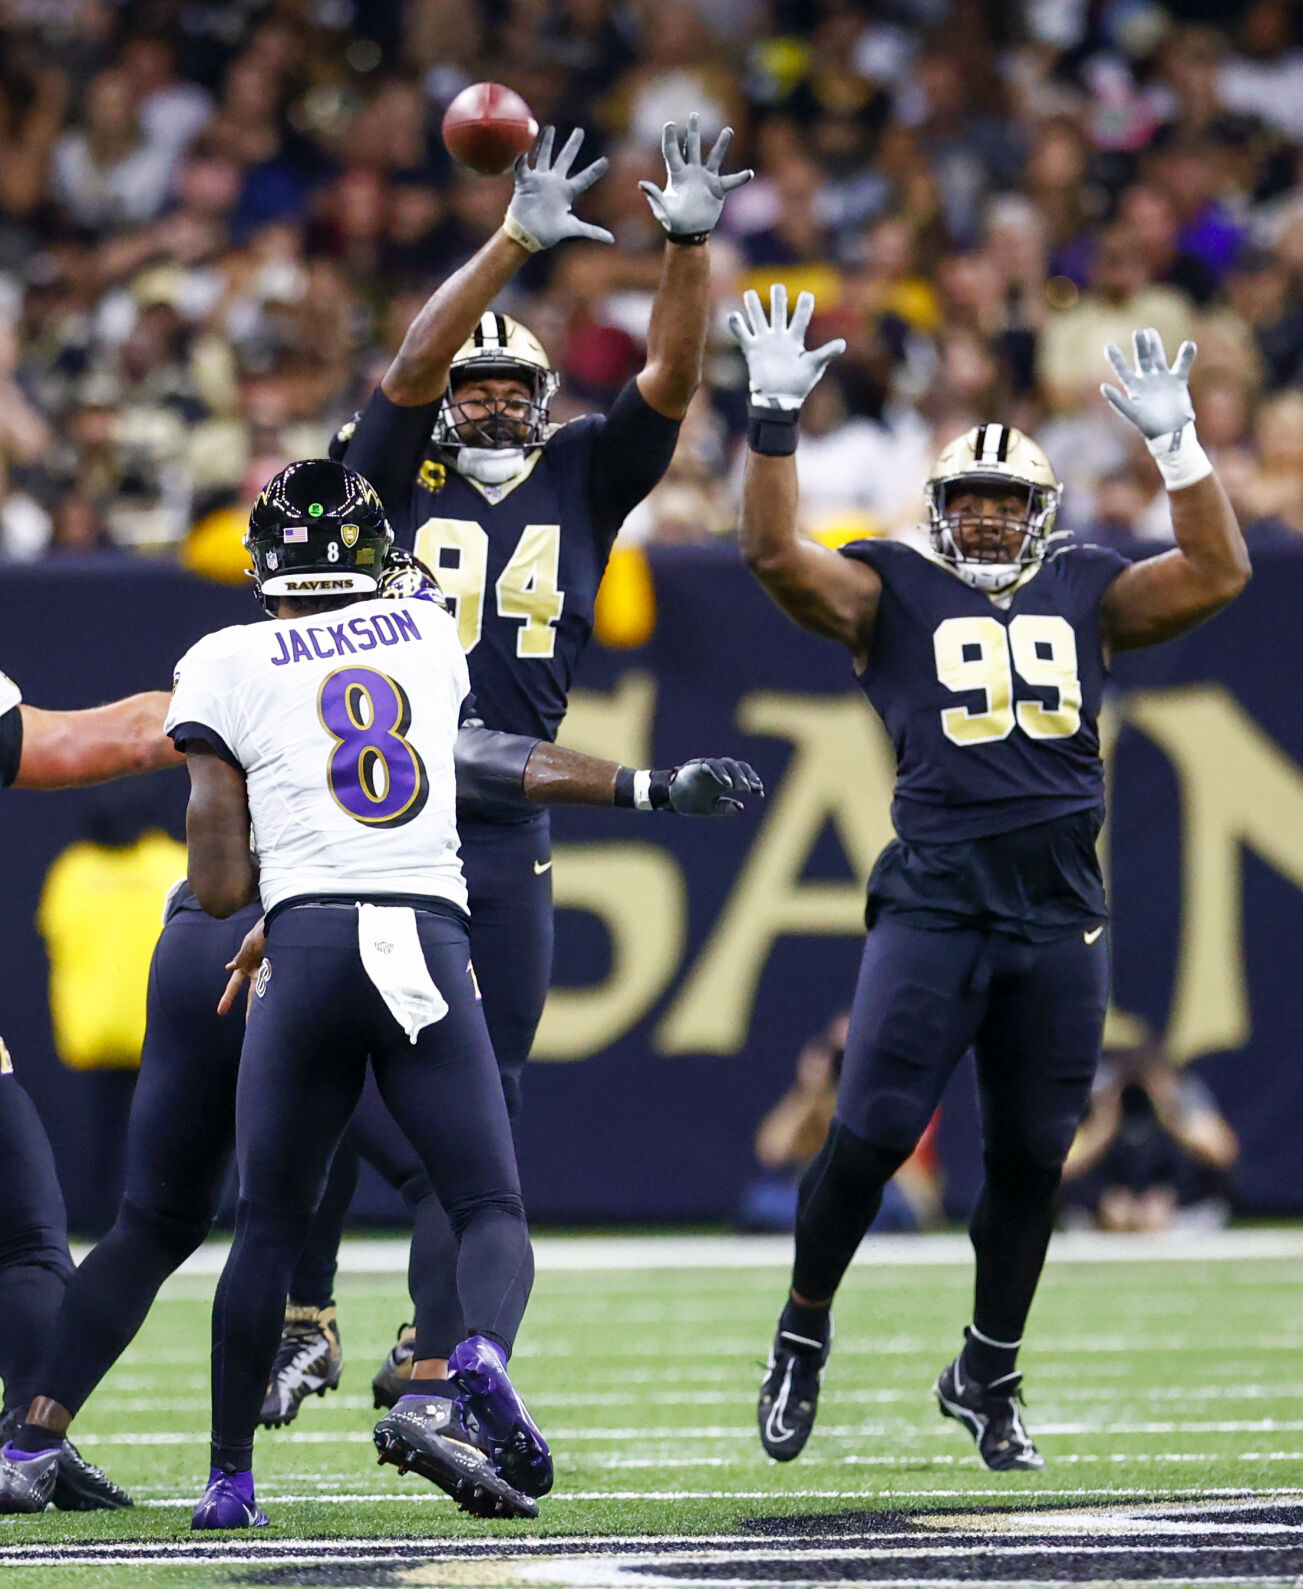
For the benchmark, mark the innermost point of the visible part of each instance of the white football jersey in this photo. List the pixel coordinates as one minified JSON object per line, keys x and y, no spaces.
{"x":10,"y":694}
{"x":344,"y":725}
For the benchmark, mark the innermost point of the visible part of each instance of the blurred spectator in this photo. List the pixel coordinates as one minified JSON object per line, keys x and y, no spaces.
{"x":791,"y":1134}
{"x":213,"y":233}
{"x":1154,"y":1149}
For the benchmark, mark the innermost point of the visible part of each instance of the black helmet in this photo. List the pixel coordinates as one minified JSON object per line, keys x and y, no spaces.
{"x":318,"y":529}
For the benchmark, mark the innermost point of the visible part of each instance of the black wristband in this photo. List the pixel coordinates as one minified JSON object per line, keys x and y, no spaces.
{"x":773,"y":431}
{"x":687,"y":239}
{"x":658,"y":789}
{"x":624,"y":788}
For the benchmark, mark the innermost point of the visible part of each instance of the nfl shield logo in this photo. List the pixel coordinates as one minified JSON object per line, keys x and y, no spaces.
{"x":348,"y":534}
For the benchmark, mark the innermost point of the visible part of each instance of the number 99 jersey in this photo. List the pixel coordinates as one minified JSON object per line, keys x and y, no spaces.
{"x":991,"y":707}
{"x":344,"y":725}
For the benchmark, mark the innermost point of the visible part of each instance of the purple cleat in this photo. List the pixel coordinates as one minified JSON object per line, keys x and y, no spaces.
{"x":519,"y":1449}
{"x":228,"y":1503}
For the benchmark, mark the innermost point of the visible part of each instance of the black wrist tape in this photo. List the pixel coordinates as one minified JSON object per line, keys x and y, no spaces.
{"x":772,"y":431}
{"x":624,"y":788}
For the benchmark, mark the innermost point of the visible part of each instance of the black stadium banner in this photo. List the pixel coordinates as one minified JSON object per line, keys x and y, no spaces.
{"x":693,"y":958}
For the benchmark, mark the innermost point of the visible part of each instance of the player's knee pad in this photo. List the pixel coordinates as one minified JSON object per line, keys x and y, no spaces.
{"x":285,"y":1229}
{"x":38,"y":1246}
{"x":463,"y":1211}
{"x":172,"y":1235}
{"x":849,"y":1168}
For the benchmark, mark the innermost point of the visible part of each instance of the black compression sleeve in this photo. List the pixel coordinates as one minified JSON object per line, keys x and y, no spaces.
{"x":631,"y":452}
{"x":491,"y":766}
{"x":11,"y":744}
{"x":388,"y":446}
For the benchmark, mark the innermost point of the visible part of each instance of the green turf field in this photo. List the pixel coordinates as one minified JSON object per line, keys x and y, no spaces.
{"x":1147,"y":1381}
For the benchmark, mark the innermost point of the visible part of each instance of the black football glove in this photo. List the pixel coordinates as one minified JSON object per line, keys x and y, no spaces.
{"x":714,"y":786}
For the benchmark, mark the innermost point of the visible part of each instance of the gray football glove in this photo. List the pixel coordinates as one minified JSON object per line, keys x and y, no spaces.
{"x":711,"y":787}
{"x":781,"y":371}
{"x":1155,"y":399}
{"x":692,"y":200}
{"x":539,"y":214}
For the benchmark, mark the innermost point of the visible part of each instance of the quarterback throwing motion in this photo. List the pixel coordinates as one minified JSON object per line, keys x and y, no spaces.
{"x":985,"y":658}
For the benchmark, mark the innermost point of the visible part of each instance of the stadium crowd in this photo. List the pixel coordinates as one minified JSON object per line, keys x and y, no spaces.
{"x":217,"y":219}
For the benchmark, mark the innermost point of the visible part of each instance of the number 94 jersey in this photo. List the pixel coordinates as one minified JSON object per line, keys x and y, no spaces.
{"x":344,"y":724}
{"x":991,"y":706}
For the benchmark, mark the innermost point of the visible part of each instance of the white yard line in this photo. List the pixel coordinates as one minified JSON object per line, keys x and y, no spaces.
{"x":568,"y":1254}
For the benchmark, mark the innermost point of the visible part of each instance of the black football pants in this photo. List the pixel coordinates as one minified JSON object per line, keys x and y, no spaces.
{"x":310,"y":1032}
{"x":509,"y":882}
{"x":34,"y":1262}
{"x":1034,"y":1015}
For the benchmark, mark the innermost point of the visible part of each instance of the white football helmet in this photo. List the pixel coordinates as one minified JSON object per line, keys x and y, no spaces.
{"x":1001,"y":459}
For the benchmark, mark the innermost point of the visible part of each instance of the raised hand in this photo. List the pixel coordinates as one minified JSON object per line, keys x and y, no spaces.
{"x":690,"y":203}
{"x":1155,"y":399}
{"x":539,"y":214}
{"x":713,"y":786}
{"x":781,"y":371}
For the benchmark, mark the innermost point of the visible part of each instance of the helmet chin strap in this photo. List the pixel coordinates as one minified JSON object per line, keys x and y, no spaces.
{"x":491,"y":466}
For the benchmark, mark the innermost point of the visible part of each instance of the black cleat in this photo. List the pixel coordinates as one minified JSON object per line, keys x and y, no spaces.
{"x":80,"y":1486}
{"x":789,"y":1392}
{"x":395,"y":1374}
{"x":308,"y":1361}
{"x":990,"y":1414}
{"x":27,"y":1482}
{"x":428,"y":1434}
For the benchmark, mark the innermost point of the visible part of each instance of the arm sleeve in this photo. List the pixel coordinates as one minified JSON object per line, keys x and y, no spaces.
{"x":491,"y":767}
{"x":388,"y":445}
{"x":631,"y":452}
{"x":11,"y":730}
{"x":197,"y":710}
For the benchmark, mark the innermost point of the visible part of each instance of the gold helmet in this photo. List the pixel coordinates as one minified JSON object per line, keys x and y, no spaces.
{"x":992,"y":459}
{"x":499,"y":346}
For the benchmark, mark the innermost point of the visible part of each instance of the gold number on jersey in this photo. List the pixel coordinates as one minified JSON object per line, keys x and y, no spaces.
{"x":1045,"y":653}
{"x":526,"y":589}
{"x":980,"y":654}
{"x":463,"y":581}
{"x":986,"y":668}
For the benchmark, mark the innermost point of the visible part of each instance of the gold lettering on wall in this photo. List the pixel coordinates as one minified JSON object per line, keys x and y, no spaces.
{"x":1238,"y":790}
{"x":636,"y":891}
{"x":841,"y":772}
{"x":616,"y":724}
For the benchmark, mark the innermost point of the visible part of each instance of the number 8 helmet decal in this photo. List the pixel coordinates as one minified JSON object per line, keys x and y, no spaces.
{"x":317,"y":529}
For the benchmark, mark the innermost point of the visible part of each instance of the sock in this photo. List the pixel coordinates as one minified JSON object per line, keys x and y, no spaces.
{"x":241,"y":1479}
{"x":432,"y":1387}
{"x":806,"y":1328}
{"x":988,"y":1361}
{"x":29,"y":1438}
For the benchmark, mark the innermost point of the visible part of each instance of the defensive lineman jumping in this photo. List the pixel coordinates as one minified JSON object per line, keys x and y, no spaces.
{"x":986,"y":659}
{"x":515,"y":515}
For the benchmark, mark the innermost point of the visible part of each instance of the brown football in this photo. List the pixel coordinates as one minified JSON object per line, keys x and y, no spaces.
{"x":486,"y":127}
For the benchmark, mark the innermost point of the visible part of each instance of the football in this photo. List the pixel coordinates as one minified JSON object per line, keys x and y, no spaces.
{"x":486,"y":127}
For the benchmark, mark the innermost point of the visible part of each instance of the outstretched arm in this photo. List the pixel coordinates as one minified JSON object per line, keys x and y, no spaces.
{"x":514,"y":769}
{"x":223,"y":870}
{"x":1164,"y":596}
{"x":816,"y":586}
{"x":688,"y":208}
{"x":538,"y":217}
{"x":64,"y":750}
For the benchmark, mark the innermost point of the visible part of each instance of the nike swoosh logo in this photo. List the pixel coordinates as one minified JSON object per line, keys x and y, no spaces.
{"x":1090,"y":937}
{"x":542,"y":866}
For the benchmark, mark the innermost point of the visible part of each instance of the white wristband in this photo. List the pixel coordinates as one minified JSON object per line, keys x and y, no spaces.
{"x":1181,"y":460}
{"x":517,"y":233}
{"x":642,"y":790}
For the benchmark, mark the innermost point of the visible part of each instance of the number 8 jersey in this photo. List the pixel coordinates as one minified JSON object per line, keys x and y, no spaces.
{"x":991,"y":704}
{"x":344,"y":725}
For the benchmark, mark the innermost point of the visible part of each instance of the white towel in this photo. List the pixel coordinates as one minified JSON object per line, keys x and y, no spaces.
{"x":391,"y":956}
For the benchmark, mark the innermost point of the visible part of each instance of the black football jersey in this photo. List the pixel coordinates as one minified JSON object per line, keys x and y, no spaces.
{"x":991,"y":708}
{"x":519,"y":563}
